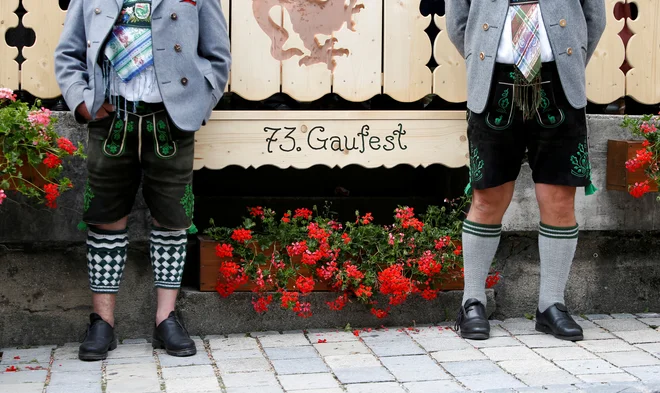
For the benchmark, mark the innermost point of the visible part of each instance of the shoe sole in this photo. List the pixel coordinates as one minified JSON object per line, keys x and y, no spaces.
{"x":475,"y":336}
{"x":93,"y":356}
{"x":156,"y":344}
{"x":547,"y":330}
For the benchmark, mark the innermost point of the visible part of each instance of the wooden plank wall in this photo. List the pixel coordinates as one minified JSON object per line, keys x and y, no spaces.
{"x":361,"y":48}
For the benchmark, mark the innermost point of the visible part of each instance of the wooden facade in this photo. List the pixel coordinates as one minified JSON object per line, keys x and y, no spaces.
{"x":362,"y":49}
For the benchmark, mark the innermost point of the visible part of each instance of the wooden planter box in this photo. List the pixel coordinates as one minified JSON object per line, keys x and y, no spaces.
{"x":209,"y":264}
{"x":618,"y":177}
{"x":32,"y":175}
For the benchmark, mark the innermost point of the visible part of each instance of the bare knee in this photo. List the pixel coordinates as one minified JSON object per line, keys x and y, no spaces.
{"x":489,"y":206}
{"x":557,"y":204}
{"x":115,"y":226}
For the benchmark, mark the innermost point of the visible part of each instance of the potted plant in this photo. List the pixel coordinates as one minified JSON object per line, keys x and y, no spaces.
{"x":288,"y":256}
{"x":31,"y":152}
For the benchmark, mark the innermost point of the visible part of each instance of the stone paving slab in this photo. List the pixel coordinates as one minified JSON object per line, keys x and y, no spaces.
{"x":414,"y":368}
{"x":620,"y":353}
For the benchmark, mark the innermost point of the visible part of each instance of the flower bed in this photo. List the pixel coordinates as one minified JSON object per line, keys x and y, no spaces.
{"x":284,"y":258}
{"x":642,"y":173}
{"x":31,"y":152}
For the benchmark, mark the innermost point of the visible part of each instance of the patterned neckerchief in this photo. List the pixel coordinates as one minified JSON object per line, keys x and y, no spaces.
{"x":129,"y":48}
{"x":526,"y":40}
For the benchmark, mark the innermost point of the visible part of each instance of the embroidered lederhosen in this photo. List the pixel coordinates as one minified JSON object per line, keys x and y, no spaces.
{"x":554,"y":141}
{"x":143,"y":147}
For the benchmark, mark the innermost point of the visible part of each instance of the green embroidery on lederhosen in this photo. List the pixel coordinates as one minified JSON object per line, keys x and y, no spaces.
{"x":503,"y":106}
{"x":87,"y":197}
{"x":188,"y":203}
{"x":115,"y":143}
{"x":476,"y":166}
{"x":502,"y":110}
{"x":580,"y":161}
{"x":164,"y":146}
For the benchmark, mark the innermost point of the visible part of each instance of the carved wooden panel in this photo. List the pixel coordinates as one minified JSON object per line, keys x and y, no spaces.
{"x":450,"y":77}
{"x":358,"y":76}
{"x":605,"y":81}
{"x":256,"y":74}
{"x":38,"y":71}
{"x":407,"y":51}
{"x":8,"y":67}
{"x":643,"y":80}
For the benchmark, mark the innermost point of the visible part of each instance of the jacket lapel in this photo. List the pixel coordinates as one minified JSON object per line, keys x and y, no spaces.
{"x":155,"y":4}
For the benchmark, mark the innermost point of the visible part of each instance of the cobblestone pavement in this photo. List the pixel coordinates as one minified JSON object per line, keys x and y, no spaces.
{"x":620,"y":353}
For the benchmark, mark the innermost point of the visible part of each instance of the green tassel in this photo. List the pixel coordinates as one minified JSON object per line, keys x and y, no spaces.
{"x":468,"y":189}
{"x":82,"y":226}
{"x":193,"y":229}
{"x":590,"y":189}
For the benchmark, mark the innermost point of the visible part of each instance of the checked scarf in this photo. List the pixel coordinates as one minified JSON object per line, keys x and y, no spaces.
{"x":129,"y":48}
{"x":526,"y":41}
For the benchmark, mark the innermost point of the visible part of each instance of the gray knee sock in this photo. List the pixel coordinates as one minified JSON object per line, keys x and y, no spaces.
{"x":479,"y":246}
{"x":557,"y":249}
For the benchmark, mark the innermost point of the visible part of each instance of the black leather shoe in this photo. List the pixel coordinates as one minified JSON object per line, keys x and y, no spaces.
{"x":99,"y":339}
{"x":556,"y":320}
{"x":173,"y":337}
{"x":472,"y":321}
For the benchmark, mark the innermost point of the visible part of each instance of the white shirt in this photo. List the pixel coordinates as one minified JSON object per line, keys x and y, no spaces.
{"x":505,"y":49}
{"x":143,"y":87}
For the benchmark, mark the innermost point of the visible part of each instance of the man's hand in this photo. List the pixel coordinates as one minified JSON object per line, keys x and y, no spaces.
{"x":103,"y":112}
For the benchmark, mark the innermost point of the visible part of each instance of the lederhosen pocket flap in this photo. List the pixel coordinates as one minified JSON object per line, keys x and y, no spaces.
{"x":500,"y":108}
{"x":548,"y":114}
{"x":159,"y":127}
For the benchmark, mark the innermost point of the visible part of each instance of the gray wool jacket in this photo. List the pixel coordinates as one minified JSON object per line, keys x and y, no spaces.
{"x":574,"y":28}
{"x":190,"y":48}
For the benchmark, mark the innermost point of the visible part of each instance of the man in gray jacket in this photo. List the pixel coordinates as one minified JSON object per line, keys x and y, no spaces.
{"x":532,"y":55}
{"x":144,"y":75}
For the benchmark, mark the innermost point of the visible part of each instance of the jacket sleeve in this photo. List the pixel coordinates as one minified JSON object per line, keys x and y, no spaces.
{"x":595,"y":15}
{"x":214,"y":42}
{"x":457,"y":12}
{"x":71,"y":57}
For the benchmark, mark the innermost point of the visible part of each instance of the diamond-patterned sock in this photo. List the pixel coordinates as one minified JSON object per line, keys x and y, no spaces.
{"x":106,"y":259}
{"x":168,"y":256}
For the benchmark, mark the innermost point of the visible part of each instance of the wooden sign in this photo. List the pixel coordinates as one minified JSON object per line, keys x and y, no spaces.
{"x":302,"y":139}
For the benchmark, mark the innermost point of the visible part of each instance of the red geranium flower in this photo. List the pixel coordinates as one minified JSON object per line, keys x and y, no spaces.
{"x":52,"y":192}
{"x":66,"y":145}
{"x":303,"y":213}
{"x":286,"y":217}
{"x":639,"y":189}
{"x":458,"y":250}
{"x":229,"y":269}
{"x":429,"y":294}
{"x":367,"y":218}
{"x":339,"y":303}
{"x":224,"y":251}
{"x":363,"y":291}
{"x":241,"y":235}
{"x":52,"y":161}
{"x":491,"y":281}
{"x":346,"y":238}
{"x":257,"y":211}
{"x":379,"y":313}
{"x":261,"y":305}
{"x":305,"y":284}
